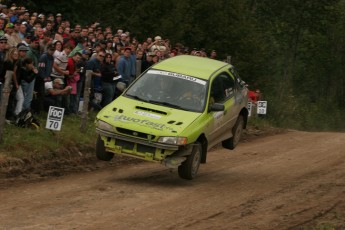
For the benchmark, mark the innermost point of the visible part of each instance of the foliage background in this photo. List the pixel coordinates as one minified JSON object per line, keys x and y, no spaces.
{"x":292,"y":50}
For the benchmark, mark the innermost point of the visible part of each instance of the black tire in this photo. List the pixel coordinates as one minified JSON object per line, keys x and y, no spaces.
{"x":100,"y":151}
{"x":237,"y":131}
{"x":189,"y":168}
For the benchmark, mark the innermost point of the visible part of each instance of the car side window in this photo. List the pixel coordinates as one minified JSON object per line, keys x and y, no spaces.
{"x":240,"y":82}
{"x":222,"y":88}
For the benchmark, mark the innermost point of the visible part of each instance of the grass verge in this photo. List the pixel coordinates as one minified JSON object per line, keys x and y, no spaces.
{"x":43,"y":152}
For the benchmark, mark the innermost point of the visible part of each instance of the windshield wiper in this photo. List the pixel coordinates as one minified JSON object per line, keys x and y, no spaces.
{"x":166,"y":104}
{"x":136,"y":97}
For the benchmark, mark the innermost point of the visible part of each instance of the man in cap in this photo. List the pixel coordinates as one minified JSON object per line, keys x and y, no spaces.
{"x":3,"y":46}
{"x":53,"y":89}
{"x":58,"y":18}
{"x":11,"y":40}
{"x":119,"y":32}
{"x":57,"y":21}
{"x":27,"y":39}
{"x":16,"y":31}
{"x":123,"y":40}
{"x":41,"y":18}
{"x":22,"y":30}
{"x":158,"y":44}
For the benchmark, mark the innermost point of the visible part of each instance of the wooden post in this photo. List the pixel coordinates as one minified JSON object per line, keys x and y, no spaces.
{"x":4,"y":101}
{"x":138,"y":68}
{"x":228,"y":59}
{"x":86,"y":96}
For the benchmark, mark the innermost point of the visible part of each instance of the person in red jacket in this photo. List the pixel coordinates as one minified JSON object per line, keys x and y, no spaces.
{"x":73,"y":78}
{"x":252,"y":96}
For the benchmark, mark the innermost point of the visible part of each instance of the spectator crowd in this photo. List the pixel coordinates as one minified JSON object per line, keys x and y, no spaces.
{"x":49,"y":57}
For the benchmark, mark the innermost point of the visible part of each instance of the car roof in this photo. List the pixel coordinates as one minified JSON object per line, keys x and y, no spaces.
{"x":200,"y":67}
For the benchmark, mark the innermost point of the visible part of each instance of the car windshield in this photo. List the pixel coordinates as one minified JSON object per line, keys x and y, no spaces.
{"x":170,"y":89}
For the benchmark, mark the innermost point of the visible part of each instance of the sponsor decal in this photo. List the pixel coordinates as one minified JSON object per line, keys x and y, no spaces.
{"x":150,"y":115}
{"x":218,"y":115}
{"x":177,"y":75}
{"x":143,"y":122}
{"x":218,"y":118}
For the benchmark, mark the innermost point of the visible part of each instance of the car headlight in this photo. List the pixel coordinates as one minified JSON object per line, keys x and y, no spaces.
{"x":173,"y":140}
{"x":104,"y":126}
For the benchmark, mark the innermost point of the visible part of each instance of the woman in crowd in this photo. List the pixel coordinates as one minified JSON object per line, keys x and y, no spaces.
{"x":58,"y":34}
{"x":109,"y":47}
{"x":109,"y":73}
{"x":58,"y":48}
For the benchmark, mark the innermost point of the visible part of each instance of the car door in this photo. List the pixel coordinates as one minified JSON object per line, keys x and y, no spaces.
{"x":222,"y":91}
{"x":241,"y":93}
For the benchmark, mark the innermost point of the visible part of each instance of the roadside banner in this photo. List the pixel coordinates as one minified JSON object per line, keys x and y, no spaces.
{"x":55,"y":117}
{"x":262,"y":107}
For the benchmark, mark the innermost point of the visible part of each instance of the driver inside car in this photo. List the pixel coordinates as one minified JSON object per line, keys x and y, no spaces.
{"x":164,"y":89}
{"x":191,"y":96}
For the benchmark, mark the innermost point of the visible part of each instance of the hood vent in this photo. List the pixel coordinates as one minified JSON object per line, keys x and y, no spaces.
{"x":115,"y":109}
{"x":151,"y":110}
{"x":177,"y":123}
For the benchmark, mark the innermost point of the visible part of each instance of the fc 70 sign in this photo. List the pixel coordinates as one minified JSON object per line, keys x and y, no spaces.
{"x":55,"y":117}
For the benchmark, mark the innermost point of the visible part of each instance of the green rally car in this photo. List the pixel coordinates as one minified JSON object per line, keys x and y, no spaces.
{"x":174,"y":113}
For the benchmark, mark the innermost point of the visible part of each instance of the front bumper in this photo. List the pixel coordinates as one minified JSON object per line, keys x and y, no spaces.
{"x":135,"y":147}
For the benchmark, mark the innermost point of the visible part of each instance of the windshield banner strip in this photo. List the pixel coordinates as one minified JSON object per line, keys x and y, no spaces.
{"x":177,"y":75}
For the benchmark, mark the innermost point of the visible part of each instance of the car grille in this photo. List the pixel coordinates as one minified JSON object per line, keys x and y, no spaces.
{"x":127,"y":145}
{"x":145,"y":149}
{"x":135,"y":133}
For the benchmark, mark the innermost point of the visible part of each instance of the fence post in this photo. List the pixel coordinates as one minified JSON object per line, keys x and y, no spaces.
{"x":138,"y":68}
{"x":228,"y":59}
{"x":4,"y":101}
{"x":86,"y":96}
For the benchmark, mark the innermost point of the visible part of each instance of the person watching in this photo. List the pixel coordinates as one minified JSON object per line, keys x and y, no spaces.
{"x":52,"y":90}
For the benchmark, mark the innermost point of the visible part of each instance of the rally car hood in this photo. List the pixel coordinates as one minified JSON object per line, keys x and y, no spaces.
{"x":145,"y":117}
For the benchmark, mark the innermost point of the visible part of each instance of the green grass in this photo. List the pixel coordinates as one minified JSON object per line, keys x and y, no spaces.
{"x":43,"y":143}
{"x":262,"y":123}
{"x":24,"y":142}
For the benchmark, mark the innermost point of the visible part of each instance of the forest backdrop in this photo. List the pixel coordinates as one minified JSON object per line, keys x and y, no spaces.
{"x":292,"y":50}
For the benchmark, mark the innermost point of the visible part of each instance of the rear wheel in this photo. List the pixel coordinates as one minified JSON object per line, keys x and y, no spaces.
{"x":237,"y":131}
{"x":189,"y":168}
{"x":100,"y":151}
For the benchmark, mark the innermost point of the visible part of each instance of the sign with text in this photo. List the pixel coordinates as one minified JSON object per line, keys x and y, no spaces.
{"x":55,"y":117}
{"x":262,"y":107}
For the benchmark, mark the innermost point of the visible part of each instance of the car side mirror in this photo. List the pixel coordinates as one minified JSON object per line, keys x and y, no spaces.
{"x":215,"y":107}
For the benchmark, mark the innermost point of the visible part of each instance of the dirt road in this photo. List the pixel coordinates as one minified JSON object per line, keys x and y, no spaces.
{"x":294,"y":180}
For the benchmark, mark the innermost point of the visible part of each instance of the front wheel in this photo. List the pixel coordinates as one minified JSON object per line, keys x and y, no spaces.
{"x":237,"y":131}
{"x":100,"y":151}
{"x":189,"y":168}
